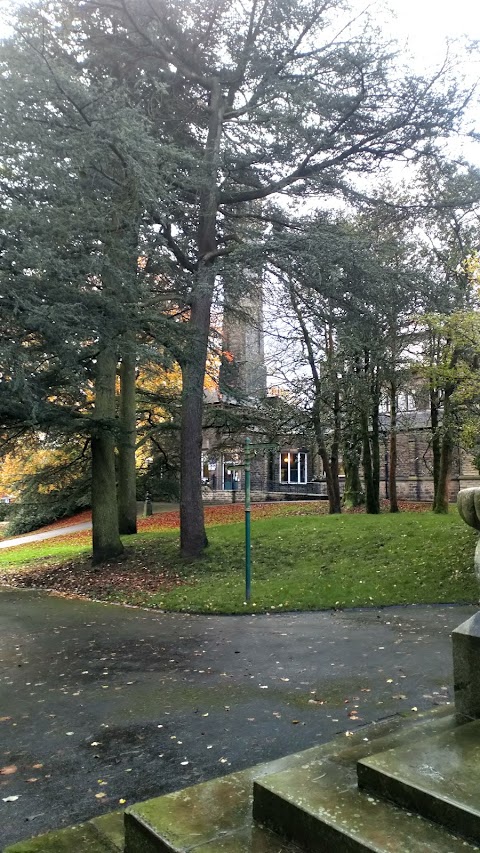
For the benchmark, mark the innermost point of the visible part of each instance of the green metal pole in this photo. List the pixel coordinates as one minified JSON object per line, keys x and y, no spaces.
{"x":248,"y":565}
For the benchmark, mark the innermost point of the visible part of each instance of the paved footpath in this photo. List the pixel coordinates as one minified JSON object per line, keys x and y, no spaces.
{"x":41,"y":535}
{"x":100,"y":703}
{"x":45,"y":534}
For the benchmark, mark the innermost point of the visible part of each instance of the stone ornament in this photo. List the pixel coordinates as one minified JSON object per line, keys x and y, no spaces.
{"x":468,"y":503}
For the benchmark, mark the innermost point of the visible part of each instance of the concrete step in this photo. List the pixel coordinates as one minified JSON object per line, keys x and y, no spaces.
{"x":213,"y":817}
{"x":217,"y":816}
{"x":320,"y":807}
{"x":110,"y":829}
{"x":438,"y":777}
{"x":84,"y":838}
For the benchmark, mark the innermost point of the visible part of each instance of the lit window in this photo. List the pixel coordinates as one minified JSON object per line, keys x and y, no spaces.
{"x":293,"y":467}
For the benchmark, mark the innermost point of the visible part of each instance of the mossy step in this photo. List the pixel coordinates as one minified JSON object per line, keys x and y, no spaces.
{"x":217,"y":815}
{"x":83,"y":838}
{"x":438,"y":777}
{"x":320,"y":807}
{"x":110,"y":827}
{"x":213,"y":816}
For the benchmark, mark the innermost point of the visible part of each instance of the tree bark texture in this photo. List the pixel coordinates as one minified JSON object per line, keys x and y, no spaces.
{"x":127,"y":472}
{"x":107,"y":544}
{"x":392,"y":469}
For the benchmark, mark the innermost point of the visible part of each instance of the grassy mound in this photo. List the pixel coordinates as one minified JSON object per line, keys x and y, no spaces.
{"x":301,"y":560}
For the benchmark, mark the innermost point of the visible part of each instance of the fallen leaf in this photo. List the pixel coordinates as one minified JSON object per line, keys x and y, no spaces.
{"x":32,"y":779}
{"x":100,"y":795}
{"x":7,"y":771}
{"x":122,"y":801}
{"x":11,"y":799}
{"x":37,"y":766}
{"x":4,"y":719}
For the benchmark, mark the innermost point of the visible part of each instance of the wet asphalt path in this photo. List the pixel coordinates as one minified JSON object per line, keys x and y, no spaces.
{"x":128,"y":704}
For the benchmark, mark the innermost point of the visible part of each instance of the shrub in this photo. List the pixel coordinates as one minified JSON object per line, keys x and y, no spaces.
{"x":52,"y":493}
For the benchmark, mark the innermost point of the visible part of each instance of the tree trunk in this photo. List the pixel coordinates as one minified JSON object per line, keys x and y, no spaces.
{"x":353,"y":493}
{"x":392,"y":470}
{"x":107,"y":544}
{"x":334,"y":456}
{"x":333,"y":491}
{"x":376,"y":450}
{"x":127,"y":472}
{"x":436,"y":442}
{"x":193,"y":538}
{"x":335,"y":446}
{"x":371,"y":496}
{"x":330,"y":464}
{"x":440,"y":504}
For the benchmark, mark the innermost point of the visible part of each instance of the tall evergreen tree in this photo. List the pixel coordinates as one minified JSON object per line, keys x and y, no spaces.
{"x":243,"y":101}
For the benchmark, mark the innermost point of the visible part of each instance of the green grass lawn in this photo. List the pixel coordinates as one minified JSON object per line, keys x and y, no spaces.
{"x":298,"y":563}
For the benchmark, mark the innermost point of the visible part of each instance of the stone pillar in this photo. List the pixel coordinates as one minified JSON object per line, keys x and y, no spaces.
{"x":466,"y":638}
{"x":466,"y":669}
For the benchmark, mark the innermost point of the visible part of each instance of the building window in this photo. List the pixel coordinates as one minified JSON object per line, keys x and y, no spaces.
{"x":293,"y":466}
{"x":205,"y":472}
{"x":231,"y":472}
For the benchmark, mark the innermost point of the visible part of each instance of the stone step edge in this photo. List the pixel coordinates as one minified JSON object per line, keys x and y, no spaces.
{"x":79,"y":838}
{"x":380,"y":737}
{"x":297,"y":823}
{"x":451,"y":814}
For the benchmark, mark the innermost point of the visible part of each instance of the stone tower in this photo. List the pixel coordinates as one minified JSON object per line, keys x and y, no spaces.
{"x":243,"y":375}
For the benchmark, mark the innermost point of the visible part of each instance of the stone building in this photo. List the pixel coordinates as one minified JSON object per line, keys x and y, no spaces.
{"x":283,"y":464}
{"x":292,"y":467}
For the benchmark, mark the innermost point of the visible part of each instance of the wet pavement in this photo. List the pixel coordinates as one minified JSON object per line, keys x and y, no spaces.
{"x":100,"y":703}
